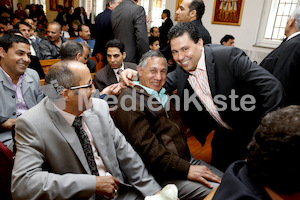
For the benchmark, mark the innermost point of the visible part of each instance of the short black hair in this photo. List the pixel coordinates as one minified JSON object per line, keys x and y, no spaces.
{"x":274,"y":149}
{"x":115,"y":43}
{"x":17,"y":25}
{"x":199,"y":6}
{"x":184,"y":27}
{"x":152,"y":29}
{"x":226,"y":38}
{"x":166,"y":11}
{"x":7,"y":40}
{"x":152,"y":39}
{"x":4,"y":20}
{"x":80,"y":27}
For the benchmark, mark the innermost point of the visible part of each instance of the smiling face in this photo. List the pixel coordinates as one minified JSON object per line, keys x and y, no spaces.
{"x":16,"y":60}
{"x":186,"y":52}
{"x":115,"y":57}
{"x":155,"y":73}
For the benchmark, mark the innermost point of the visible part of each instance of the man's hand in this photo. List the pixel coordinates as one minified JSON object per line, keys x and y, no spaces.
{"x":107,"y":186}
{"x":202,"y":174}
{"x":8,"y":124}
{"x":114,"y":89}
{"x":127,"y":75}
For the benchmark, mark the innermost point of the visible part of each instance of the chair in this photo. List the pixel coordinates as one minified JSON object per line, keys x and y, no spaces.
{"x":211,"y":194}
{"x":98,"y":59}
{"x":6,"y":160}
{"x":46,"y":64}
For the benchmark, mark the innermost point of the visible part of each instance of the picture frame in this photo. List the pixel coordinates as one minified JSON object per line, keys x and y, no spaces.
{"x":228,"y":12}
{"x":53,"y":5}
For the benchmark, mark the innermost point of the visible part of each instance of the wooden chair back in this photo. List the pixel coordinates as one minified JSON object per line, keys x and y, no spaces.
{"x":46,"y":64}
{"x":98,"y":59}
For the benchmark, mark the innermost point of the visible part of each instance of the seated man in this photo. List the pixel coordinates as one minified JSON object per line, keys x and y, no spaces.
{"x":50,"y":45}
{"x":154,"y":43}
{"x":155,"y":130}
{"x":272,"y":168}
{"x":85,"y":36}
{"x":109,"y":74}
{"x":70,"y":149}
{"x":91,"y":64}
{"x":19,"y":86}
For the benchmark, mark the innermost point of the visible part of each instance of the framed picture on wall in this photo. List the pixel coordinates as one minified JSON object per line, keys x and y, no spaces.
{"x":228,"y":12}
{"x":53,"y":4}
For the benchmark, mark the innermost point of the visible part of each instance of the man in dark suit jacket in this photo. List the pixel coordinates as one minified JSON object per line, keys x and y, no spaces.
{"x":109,"y":73}
{"x":237,"y":92}
{"x":103,"y":28}
{"x":283,"y":62}
{"x":164,"y":28}
{"x":192,"y":11}
{"x":128,"y":22}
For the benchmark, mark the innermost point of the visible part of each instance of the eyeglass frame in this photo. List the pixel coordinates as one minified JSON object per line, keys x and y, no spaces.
{"x":82,"y":86}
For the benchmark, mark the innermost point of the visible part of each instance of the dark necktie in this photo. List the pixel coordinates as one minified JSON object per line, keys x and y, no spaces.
{"x":86,"y":145}
{"x":119,"y":71}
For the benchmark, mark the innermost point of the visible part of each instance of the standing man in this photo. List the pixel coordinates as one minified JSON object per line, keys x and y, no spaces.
{"x":78,"y":153}
{"x":128,"y":22}
{"x":283,"y":62}
{"x":20,"y":87}
{"x":50,"y":45}
{"x":227,"y":40}
{"x":85,"y":36}
{"x":109,"y":74}
{"x":155,"y":130}
{"x":103,"y":28}
{"x":220,"y":89}
{"x":192,"y":11}
{"x":164,"y":28}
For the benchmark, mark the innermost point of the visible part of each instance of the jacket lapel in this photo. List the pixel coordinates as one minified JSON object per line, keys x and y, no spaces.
{"x":210,"y":68}
{"x":98,"y":136}
{"x":111,"y":76}
{"x":68,"y":133}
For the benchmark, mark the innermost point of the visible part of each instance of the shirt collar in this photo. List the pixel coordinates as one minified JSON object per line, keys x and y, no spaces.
{"x":67,"y":116}
{"x":21,"y":78}
{"x":293,"y":35}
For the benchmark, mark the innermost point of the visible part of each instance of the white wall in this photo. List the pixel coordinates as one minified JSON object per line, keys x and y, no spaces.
{"x":245,"y":34}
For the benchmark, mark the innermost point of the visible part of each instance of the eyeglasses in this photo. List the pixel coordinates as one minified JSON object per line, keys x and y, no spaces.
{"x":90,"y":85}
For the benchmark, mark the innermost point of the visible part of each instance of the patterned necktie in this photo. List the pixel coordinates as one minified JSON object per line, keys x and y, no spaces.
{"x":119,"y":71}
{"x":86,"y":145}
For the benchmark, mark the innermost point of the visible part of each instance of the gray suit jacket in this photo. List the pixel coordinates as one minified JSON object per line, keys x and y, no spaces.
{"x":50,"y":162}
{"x":32,"y":94}
{"x":106,"y":76}
{"x":128,"y":22}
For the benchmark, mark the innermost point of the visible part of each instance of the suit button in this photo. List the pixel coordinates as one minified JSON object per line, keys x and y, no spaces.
{"x":14,"y":113}
{"x":13,"y":96}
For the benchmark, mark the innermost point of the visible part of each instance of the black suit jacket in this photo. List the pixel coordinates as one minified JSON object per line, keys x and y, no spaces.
{"x":128,"y":22}
{"x":106,"y":76}
{"x":228,"y":68}
{"x":104,"y":32}
{"x":283,"y":62}
{"x":163,"y":32}
{"x":203,"y":31}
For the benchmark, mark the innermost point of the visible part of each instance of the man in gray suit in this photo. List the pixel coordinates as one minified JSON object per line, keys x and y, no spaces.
{"x":115,"y":54}
{"x":51,"y":161}
{"x":19,"y":86}
{"x":128,"y":22}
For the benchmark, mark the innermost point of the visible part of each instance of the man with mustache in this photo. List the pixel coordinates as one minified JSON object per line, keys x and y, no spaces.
{"x":50,"y":45}
{"x":85,"y":36}
{"x":19,"y":86}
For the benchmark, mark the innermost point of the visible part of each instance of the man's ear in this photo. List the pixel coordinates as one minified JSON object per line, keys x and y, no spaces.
{"x":65,"y":94}
{"x":77,"y":57}
{"x":193,"y":14}
{"x":124,"y":55}
{"x":140,"y":71}
{"x":2,"y":52}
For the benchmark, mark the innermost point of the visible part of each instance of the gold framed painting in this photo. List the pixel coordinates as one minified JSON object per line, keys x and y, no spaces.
{"x":228,"y":12}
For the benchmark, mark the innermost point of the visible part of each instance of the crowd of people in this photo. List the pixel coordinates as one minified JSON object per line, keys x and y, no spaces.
{"x":121,"y":134}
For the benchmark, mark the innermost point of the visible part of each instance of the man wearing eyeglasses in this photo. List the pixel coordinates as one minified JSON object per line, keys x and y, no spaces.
{"x":68,"y":146}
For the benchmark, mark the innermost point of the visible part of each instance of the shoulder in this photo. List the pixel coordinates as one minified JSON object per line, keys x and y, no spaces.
{"x":100,"y":107}
{"x":130,"y":65}
{"x":77,"y":39}
{"x":32,"y":73}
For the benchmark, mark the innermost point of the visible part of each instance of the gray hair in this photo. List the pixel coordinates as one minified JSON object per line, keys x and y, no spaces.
{"x":70,"y":49}
{"x":108,"y":1}
{"x":296,"y":16}
{"x":58,"y":77}
{"x":151,"y":54}
{"x":84,"y":45}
